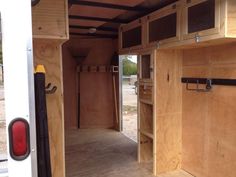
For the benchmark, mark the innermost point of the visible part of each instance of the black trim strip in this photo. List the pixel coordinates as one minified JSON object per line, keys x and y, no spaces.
{"x":226,"y":82}
{"x":108,"y":5}
{"x":79,"y":17}
{"x":100,"y":28}
{"x":96,"y":35}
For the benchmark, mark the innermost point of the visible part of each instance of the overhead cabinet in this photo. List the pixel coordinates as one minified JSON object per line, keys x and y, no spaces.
{"x":209,"y":21}
{"x":201,"y":18}
{"x":131,"y":36}
{"x":182,"y":23}
{"x":163,"y":26}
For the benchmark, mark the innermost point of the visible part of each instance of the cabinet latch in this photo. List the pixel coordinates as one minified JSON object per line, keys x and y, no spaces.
{"x":197,"y":38}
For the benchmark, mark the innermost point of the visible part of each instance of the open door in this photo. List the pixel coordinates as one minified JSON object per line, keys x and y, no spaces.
{"x":19,"y":87}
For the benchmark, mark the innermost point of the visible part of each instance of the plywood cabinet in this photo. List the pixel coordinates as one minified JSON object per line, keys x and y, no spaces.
{"x":163,"y":26}
{"x":201,"y":18}
{"x":184,"y":24}
{"x":131,"y":36}
{"x":146,"y":106}
{"x":209,"y":21}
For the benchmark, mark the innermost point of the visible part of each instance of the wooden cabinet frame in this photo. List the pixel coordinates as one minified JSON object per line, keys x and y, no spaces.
{"x":208,"y":32}
{"x":147,"y":149}
{"x":128,"y":27}
{"x":171,"y":9}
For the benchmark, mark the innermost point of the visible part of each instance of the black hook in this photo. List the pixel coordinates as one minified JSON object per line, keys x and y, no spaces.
{"x":52,"y":90}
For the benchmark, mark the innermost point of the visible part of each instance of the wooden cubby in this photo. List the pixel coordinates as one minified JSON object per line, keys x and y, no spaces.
{"x":131,"y":36}
{"x":184,"y":24}
{"x":146,"y":119}
{"x":208,"y":22}
{"x":160,"y":112}
{"x":146,"y":92}
{"x":146,"y":110}
{"x":163,"y":26}
{"x":201,"y":18}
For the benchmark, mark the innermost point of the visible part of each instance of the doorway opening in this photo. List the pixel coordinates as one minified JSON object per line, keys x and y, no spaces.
{"x":129,"y":88}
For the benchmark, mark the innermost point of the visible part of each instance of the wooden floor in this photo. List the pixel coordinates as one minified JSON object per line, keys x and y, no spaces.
{"x":105,"y":153}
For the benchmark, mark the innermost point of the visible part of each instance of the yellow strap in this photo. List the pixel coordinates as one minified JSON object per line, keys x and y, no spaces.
{"x":40,"y":69}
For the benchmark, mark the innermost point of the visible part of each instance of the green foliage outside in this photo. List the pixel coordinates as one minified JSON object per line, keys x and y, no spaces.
{"x":129,"y":67}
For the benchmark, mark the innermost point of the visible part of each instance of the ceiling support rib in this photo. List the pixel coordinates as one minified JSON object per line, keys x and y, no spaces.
{"x":79,"y":17}
{"x":100,"y":28}
{"x":96,"y":35}
{"x":107,"y":5}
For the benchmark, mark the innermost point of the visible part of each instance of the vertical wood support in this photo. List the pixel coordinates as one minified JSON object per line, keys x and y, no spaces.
{"x":50,"y":30}
{"x":48,"y":53}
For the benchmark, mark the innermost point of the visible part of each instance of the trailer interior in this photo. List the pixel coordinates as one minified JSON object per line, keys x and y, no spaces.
{"x":186,"y":86}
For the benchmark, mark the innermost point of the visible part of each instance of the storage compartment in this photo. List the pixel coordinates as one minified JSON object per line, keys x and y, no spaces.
{"x":146,"y":149}
{"x":163,"y":28}
{"x":145,"y":92}
{"x":146,"y":119}
{"x":201,"y":18}
{"x":132,"y":37}
{"x":146,"y":67}
{"x":164,"y":25}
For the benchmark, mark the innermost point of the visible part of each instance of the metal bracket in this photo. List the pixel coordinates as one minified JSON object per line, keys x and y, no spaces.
{"x":197,"y":38}
{"x":52,"y":90}
{"x":208,"y":86}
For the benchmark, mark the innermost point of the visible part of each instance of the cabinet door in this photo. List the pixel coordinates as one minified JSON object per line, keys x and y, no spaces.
{"x":201,"y":18}
{"x":131,"y":36}
{"x":164,"y":25}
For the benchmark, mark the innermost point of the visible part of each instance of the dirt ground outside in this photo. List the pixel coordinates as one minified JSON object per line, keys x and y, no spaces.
{"x":129,"y":111}
{"x":3,"y":146}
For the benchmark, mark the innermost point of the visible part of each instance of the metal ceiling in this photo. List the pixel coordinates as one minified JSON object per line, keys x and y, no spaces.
{"x":130,"y":13}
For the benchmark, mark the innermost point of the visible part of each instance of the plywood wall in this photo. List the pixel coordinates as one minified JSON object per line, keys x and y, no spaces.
{"x":50,"y":30}
{"x":48,"y":53}
{"x":50,"y":19}
{"x":96,"y":96}
{"x":209,"y":123}
{"x":70,"y":92}
{"x":168,"y":110}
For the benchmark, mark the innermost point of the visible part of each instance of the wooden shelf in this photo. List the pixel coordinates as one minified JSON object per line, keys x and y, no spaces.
{"x":146,"y":133}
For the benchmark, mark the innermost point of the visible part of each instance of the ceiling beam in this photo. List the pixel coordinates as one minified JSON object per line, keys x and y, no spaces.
{"x":79,"y":17}
{"x":100,"y":28}
{"x":107,"y":5}
{"x":160,"y":5}
{"x":96,"y":35}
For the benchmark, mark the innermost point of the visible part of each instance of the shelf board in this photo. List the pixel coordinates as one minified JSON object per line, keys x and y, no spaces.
{"x":146,"y":133}
{"x":146,"y":101}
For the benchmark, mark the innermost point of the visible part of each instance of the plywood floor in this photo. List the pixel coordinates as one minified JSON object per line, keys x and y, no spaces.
{"x":105,"y":153}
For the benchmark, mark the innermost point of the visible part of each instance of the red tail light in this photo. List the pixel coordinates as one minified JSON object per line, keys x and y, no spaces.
{"x":19,"y":139}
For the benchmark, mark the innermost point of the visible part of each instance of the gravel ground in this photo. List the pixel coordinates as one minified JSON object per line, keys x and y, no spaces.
{"x":130,"y":112}
{"x":3,"y":147}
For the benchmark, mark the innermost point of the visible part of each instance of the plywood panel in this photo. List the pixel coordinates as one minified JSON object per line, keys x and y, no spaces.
{"x":209,"y":123}
{"x":50,"y":19}
{"x":231,"y":18}
{"x":96,"y":89}
{"x":168,"y":110}
{"x":169,"y":72}
{"x":70,"y":92}
{"x":48,"y":53}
